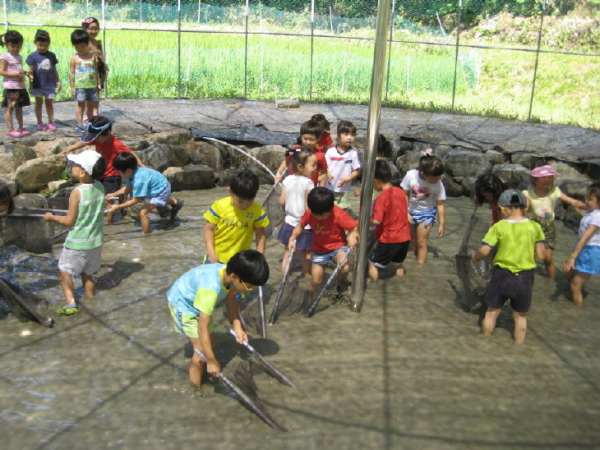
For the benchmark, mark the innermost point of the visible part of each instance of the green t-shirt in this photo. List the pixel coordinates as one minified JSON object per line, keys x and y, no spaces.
{"x":516,"y":243}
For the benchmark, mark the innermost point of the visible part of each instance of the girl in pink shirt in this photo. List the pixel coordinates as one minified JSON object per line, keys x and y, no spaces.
{"x":15,"y":92}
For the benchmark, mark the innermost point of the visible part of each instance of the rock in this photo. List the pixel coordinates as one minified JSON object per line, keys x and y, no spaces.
{"x":35,"y":174}
{"x":201,"y":152}
{"x":14,"y":156}
{"x":396,"y":178}
{"x":31,"y":201}
{"x":58,"y":184}
{"x":574,"y":187}
{"x":61,"y":144}
{"x":466,"y":163}
{"x":225,"y":177}
{"x":136,"y":144}
{"x":162,"y":156}
{"x":178,"y":138}
{"x":528,"y":160}
{"x":514,"y":176}
{"x":567,"y":171}
{"x":592,"y":169}
{"x":453,"y":189}
{"x":408,"y":161}
{"x":271,"y":156}
{"x":124,"y":127}
{"x":11,"y":185}
{"x":494,"y":157}
{"x":190,"y":177}
{"x":468,"y":185}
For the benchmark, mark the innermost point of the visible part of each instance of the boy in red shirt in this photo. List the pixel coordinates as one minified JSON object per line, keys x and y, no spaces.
{"x":390,"y":215}
{"x":310,"y":131}
{"x":329,"y":224}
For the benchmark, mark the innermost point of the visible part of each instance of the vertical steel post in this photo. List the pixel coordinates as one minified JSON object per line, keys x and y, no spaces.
{"x":5,"y":16}
{"x":246,"y":53}
{"x":387,"y":81}
{"x":312,"y":46}
{"x":141,"y":12}
{"x":199,"y":9}
{"x":106,"y":44}
{"x":456,"y":52}
{"x":537,"y":58}
{"x":178,"y":48}
{"x":366,"y":195}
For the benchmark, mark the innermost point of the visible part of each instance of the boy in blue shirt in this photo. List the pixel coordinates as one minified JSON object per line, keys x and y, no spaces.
{"x":193,"y":297}
{"x":143,"y":184}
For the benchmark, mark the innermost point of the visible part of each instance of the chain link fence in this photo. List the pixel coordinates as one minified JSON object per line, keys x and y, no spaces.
{"x":525,"y":59}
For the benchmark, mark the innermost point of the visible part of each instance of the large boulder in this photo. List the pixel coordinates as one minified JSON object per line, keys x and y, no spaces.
{"x":136,"y":144}
{"x":11,"y":185}
{"x":408,"y":161}
{"x":528,"y":160}
{"x":263,"y":177}
{"x":466,"y":163}
{"x":202,"y":152}
{"x":495,"y":157}
{"x":162,"y":156}
{"x":61,"y":144}
{"x":35,"y":174}
{"x":271,"y":156}
{"x":178,"y":138}
{"x":453,"y":189}
{"x":514,"y":176}
{"x":190,"y":177}
{"x":15,"y":156}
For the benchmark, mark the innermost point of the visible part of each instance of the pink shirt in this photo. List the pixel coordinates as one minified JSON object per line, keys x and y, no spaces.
{"x":14,"y":64}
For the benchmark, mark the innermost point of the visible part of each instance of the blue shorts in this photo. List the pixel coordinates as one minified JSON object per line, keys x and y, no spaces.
{"x":504,"y":285}
{"x":48,"y":93}
{"x":87,"y":95}
{"x":161,"y":199}
{"x":325,"y":258}
{"x":588,"y":260}
{"x":304,"y":241}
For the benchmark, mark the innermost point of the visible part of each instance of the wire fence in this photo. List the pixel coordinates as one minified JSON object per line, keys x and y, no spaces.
{"x":525,"y":59}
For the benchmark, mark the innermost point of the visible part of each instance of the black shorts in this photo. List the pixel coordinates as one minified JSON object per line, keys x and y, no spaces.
{"x":389,"y":253}
{"x":15,"y":98}
{"x":505,"y":285}
{"x":111,"y":184}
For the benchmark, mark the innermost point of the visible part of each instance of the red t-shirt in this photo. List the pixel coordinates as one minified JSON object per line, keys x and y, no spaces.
{"x":321,"y":164}
{"x":109,"y":150}
{"x":329,"y":234}
{"x":391,"y":210}
{"x":324,"y":142}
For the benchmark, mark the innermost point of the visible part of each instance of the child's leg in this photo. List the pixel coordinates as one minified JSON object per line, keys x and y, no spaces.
{"x":88,"y":285}
{"x":66,"y":283}
{"x":19,"y":116}
{"x":577,"y":282}
{"x":49,"y":111}
{"x":343,"y":272}
{"x":92,"y":109}
{"x":422,"y":236}
{"x":400,"y":272}
{"x":373,"y":272}
{"x":197,"y":366}
{"x":284,"y":261}
{"x":39,"y":102}
{"x":144,"y":217}
{"x":489,"y":321}
{"x":549,"y":263}
{"x":8,"y":117}
{"x":316,"y":276}
{"x":520,"y":327}
{"x":306,"y":264}
{"x":79,"y":113}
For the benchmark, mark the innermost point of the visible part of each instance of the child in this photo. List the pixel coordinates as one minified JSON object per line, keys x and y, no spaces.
{"x":384,"y":151}
{"x":309,"y":135}
{"x":325,"y":141}
{"x":143,"y":184}
{"x":193,"y":297}
{"x":294,"y":192}
{"x":343,"y":163}
{"x":231,"y":221}
{"x":585,"y":259}
{"x":517,"y":239}
{"x":99,"y":133}
{"x":488,"y":188}
{"x":84,"y":77}
{"x":542,"y":196}
{"x":390,"y":215}
{"x":92,"y":26}
{"x":329,"y":224}
{"x":7,"y":204}
{"x":83,"y":246}
{"x":15,"y":92}
{"x":426,"y":195}
{"x":42,"y":65}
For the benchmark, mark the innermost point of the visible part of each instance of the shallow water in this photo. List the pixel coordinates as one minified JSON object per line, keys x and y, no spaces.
{"x":409,"y":371}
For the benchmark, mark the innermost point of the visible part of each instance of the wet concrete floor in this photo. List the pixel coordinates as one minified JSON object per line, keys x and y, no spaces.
{"x":410,"y":371}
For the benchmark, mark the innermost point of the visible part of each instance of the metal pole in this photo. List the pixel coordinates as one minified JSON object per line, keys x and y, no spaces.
{"x":140,"y":11}
{"x":387,"y":81}
{"x":537,"y":58}
{"x":366,"y":195}
{"x":199,"y":9}
{"x":246,"y":55}
{"x":312,"y":45}
{"x":456,"y":53}
{"x":178,"y":48}
{"x":106,"y":47}
{"x":87,"y":7}
{"x":5,"y":16}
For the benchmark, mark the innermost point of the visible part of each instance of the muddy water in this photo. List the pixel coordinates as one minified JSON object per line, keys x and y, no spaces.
{"x":410,"y":371}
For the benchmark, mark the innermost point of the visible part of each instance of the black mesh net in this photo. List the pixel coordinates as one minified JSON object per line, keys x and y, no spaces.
{"x":274,"y":211}
{"x":26,"y":306}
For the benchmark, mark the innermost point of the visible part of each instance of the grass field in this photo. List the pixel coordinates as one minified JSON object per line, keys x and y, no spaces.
{"x":143,"y":64}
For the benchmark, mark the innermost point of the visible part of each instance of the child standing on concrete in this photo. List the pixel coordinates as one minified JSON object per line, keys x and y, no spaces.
{"x":83,"y":246}
{"x":343,"y":164}
{"x":518,"y":240}
{"x":84,"y":77}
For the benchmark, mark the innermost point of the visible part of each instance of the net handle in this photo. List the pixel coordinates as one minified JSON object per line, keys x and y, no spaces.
{"x":278,"y":298}
{"x":312,"y":308}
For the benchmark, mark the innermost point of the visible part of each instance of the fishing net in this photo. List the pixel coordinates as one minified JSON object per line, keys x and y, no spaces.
{"x":474,"y":276}
{"x":274,"y":211}
{"x":26,"y":306}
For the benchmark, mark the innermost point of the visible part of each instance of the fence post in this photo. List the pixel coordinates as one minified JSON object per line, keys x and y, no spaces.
{"x":199,"y":9}
{"x":387,"y":78}
{"x":141,"y":7}
{"x":104,"y":40}
{"x":246,"y":53}
{"x":312,"y":46}
{"x":178,"y":48}
{"x":537,"y":58}
{"x":5,"y":16}
{"x":456,"y":53}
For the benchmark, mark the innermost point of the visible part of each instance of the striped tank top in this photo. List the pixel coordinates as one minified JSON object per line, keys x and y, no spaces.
{"x":87,"y":231}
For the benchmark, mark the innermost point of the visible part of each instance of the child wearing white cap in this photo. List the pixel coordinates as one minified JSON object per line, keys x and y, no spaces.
{"x":81,"y":254}
{"x":542,"y":196}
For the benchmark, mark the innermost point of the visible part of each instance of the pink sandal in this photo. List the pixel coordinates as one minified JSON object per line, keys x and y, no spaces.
{"x":15,"y":134}
{"x":24,"y":132}
{"x":51,"y":127}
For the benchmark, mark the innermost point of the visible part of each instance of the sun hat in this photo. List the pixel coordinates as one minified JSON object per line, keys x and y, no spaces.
{"x":86,"y":160}
{"x":93,"y":132}
{"x":544,"y":171}
{"x":512,"y":197}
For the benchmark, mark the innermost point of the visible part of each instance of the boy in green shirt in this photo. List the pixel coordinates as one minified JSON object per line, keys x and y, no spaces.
{"x":518,"y":240}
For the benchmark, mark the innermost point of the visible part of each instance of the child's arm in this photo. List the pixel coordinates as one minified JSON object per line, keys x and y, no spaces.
{"x":441,"y":207}
{"x":212,"y":365}
{"x":76,"y":146}
{"x":540,"y":251}
{"x":57,"y":77}
{"x":209,"y":242}
{"x":483,"y":251}
{"x":124,"y":190}
{"x":261,"y":239}
{"x":31,"y":76}
{"x":19,"y":76}
{"x":99,"y":83}
{"x":349,"y":178}
{"x":281,"y":201}
{"x":72,"y":212}
{"x":280,"y":171}
{"x":233,"y":308}
{"x":572,"y":201}
{"x":127,"y":204}
{"x":352,"y":238}
{"x":297,"y":232}
{"x":72,"y":66}
{"x":569,"y":264}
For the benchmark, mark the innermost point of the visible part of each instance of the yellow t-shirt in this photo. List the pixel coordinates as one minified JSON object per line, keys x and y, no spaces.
{"x":235,"y":227}
{"x":542,"y":208}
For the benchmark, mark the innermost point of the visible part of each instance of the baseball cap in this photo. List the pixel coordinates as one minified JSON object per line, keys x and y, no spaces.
{"x":512,"y":197}
{"x":544,"y":171}
{"x":86,"y":160}
{"x":92,"y":132}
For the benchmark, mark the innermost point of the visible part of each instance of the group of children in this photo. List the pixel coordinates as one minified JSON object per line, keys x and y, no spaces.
{"x":87,"y":73}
